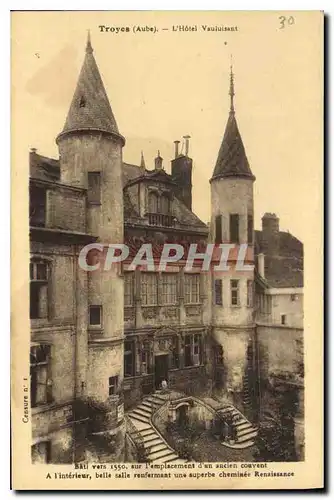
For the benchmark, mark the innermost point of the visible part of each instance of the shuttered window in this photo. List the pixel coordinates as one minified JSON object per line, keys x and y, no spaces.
{"x":218,"y":229}
{"x":234,"y":228}
{"x":219,"y":292}
{"x":250,"y":229}
{"x":94,"y":187}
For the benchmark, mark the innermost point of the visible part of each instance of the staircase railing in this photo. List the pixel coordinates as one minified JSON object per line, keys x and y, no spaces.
{"x":136,"y":437}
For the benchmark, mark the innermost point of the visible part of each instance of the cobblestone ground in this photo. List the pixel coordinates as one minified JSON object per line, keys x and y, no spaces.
{"x":208,"y":449}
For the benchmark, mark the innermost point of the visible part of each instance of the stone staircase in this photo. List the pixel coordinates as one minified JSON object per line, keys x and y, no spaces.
{"x":246,"y":432}
{"x":156,"y":448}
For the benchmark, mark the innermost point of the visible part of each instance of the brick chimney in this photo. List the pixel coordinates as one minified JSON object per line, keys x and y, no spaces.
{"x":182,"y":167}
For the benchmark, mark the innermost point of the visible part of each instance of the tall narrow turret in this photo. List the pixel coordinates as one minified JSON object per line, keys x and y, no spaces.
{"x":232,"y":222}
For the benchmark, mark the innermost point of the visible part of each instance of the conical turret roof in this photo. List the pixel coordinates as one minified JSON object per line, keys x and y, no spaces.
{"x":232,"y":160}
{"x":90,"y":108}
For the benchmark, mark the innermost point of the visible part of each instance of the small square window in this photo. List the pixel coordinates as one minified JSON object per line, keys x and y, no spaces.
{"x":293,"y":297}
{"x":95,"y":315}
{"x":283,"y":319}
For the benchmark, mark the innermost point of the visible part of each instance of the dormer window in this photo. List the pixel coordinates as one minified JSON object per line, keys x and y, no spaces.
{"x":159,"y":209}
{"x":82,"y":102}
{"x":153,"y":203}
{"x":164,"y":204}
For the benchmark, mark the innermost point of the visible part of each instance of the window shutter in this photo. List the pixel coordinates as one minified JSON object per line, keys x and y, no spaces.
{"x":234,"y":228}
{"x":94,"y":187}
{"x":218,"y":229}
{"x":250,"y":229}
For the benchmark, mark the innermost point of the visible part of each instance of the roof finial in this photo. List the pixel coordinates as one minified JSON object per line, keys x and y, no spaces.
{"x":142,"y":160}
{"x":158,"y":162}
{"x":89,"y":48}
{"x":231,"y":86}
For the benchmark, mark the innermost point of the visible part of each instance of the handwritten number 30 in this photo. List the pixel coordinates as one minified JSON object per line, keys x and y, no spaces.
{"x":290,"y":20}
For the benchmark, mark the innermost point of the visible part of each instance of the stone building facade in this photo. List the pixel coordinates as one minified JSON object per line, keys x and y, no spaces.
{"x":103,"y":339}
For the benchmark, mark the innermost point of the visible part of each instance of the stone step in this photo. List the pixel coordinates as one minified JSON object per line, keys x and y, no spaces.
{"x":242,"y":426}
{"x":157,"y":402}
{"x":148,"y":432}
{"x":158,"y":455}
{"x":239,"y":446}
{"x":133,"y":416}
{"x":232,"y":411}
{"x":171,"y":456}
{"x":148,"y":435}
{"x":240,"y":422}
{"x":139,"y":425}
{"x":141,"y":413}
{"x":158,"y":396}
{"x":245,"y":430}
{"x":152,"y":442}
{"x":143,"y":409}
{"x":177,"y":460}
{"x":158,"y":447}
{"x":149,"y":406}
{"x":247,"y":437}
{"x":226,"y":409}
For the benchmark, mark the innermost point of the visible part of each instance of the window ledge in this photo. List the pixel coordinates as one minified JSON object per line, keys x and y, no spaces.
{"x":192,"y":366}
{"x":39,"y":321}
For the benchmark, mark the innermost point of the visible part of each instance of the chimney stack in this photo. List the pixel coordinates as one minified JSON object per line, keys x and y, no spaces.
{"x":33,"y":150}
{"x":270,"y":234}
{"x":176,"y":148}
{"x":186,"y":138}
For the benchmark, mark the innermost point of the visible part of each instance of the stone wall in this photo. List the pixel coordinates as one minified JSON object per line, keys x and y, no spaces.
{"x":66,"y":210}
{"x":280,"y":348}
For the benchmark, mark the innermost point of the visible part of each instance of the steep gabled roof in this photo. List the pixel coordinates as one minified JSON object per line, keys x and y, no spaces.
{"x":43,"y":168}
{"x":90,"y":108}
{"x":232,"y":160}
{"x":284,"y":272}
{"x":285,"y":269}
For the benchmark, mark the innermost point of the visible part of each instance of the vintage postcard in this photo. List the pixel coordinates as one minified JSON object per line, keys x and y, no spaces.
{"x":167,"y":172}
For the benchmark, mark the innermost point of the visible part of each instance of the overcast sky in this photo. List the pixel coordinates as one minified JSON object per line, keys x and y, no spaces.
{"x":162,"y":86}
